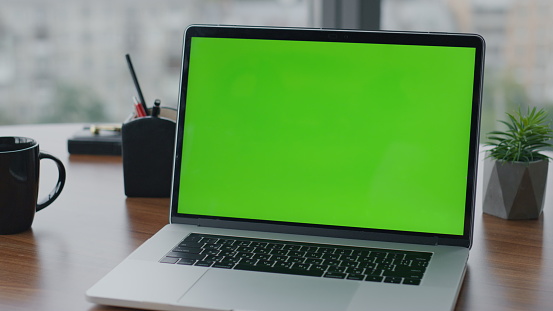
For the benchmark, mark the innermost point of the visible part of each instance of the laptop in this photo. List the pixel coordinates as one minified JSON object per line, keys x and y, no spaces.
{"x":315,"y":169}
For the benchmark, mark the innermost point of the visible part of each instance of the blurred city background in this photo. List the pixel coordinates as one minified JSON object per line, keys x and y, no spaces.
{"x":63,"y":60}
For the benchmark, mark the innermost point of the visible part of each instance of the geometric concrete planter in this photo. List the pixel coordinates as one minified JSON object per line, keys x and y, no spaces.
{"x":514,"y":190}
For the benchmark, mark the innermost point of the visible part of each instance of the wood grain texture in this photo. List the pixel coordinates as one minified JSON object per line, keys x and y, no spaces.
{"x":93,"y":226}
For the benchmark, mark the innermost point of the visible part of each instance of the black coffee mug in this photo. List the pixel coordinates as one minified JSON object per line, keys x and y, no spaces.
{"x":19,"y":181}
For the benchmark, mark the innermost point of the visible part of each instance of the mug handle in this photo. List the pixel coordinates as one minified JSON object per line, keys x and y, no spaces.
{"x":59,"y":185}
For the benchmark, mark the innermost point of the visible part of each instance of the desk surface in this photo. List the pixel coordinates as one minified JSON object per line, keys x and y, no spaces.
{"x":92,"y":226}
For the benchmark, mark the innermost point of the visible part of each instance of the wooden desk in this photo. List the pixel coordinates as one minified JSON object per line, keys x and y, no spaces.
{"x":93,"y":226}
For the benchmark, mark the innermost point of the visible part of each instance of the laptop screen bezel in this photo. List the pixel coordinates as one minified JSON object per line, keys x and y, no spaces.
{"x":352,"y":36}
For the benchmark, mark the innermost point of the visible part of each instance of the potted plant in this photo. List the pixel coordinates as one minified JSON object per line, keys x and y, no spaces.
{"x":515,"y":170}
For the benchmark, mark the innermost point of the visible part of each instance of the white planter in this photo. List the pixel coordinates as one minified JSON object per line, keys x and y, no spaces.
{"x":514,"y":190}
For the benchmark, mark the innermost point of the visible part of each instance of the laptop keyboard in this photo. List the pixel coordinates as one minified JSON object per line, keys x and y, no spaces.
{"x":298,"y":258}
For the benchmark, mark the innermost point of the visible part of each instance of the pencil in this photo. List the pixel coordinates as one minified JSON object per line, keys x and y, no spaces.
{"x":135,"y":79}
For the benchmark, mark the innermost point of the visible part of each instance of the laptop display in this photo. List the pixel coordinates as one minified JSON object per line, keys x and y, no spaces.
{"x":344,"y":134}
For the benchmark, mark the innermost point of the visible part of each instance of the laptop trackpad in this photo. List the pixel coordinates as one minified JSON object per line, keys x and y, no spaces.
{"x":240,"y":290}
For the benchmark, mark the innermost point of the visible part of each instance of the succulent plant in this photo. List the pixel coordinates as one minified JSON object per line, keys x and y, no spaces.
{"x":526,"y":135}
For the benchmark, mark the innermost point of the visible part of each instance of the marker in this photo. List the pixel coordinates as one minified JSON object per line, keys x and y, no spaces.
{"x":135,"y":79}
{"x":139,"y":110}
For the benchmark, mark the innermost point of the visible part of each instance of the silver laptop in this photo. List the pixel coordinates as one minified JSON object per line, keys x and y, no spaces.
{"x":315,"y":170}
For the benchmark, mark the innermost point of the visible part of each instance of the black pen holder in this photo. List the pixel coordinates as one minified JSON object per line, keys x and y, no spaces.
{"x":147,"y":150}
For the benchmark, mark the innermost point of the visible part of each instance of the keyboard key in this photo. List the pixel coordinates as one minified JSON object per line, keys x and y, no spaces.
{"x":279,"y":252}
{"x":418,"y":256}
{"x":301,"y":266}
{"x":386,"y":267}
{"x":280,"y":258}
{"x":286,"y":265}
{"x":319,"y":267}
{"x":337,"y":269}
{"x":258,"y":244}
{"x":191,"y":250}
{"x":185,"y":255}
{"x":193,"y":237}
{"x":296,"y":253}
{"x":374,"y":278}
{"x":309,"y":249}
{"x":331,"y":256}
{"x":353,"y":270}
{"x":244,"y":255}
{"x":190,"y":244}
{"x":361,"y":253}
{"x":230,"y":260}
{"x":208,"y":240}
{"x":214,"y":258}
{"x":398,"y":256}
{"x":335,"y":275}
{"x":259,"y":250}
{"x":357,"y":277}
{"x":326,"y":250}
{"x":346,"y":263}
{"x":210,"y":252}
{"x":186,"y":262}
{"x":296,"y":259}
{"x":313,"y":261}
{"x":275,"y":246}
{"x":278,"y":270}
{"x":169,"y":260}
{"x":366,"y":259}
{"x":341,"y":251}
{"x":391,"y":279}
{"x":292,"y":247}
{"x":378,"y":254}
{"x":367,"y":265}
{"x":246,"y":249}
{"x":267,"y":263}
{"x":374,"y":272}
{"x":330,"y":262}
{"x":223,"y":265}
{"x":249,"y":261}
{"x":405,"y":272}
{"x":261,"y":256}
{"x":411,"y":281}
{"x":313,"y":255}
{"x":228,"y":248}
{"x":204,"y":263}
{"x":349,"y":258}
{"x":419,"y":263}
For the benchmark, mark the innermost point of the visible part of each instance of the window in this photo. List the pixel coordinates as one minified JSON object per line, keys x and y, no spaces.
{"x":518,"y":45}
{"x":64,"y":60}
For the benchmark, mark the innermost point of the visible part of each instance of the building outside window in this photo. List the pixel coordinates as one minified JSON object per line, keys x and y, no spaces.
{"x":519,"y":46}
{"x":64,"y":60}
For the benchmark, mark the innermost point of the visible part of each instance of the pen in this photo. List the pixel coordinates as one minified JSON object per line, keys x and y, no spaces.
{"x":135,"y":79}
{"x":139,"y":109}
{"x":96,"y":128}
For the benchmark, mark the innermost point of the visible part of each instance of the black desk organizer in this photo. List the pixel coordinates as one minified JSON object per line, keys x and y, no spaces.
{"x":147,"y":150}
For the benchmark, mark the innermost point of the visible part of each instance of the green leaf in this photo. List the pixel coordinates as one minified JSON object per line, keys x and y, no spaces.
{"x":525,"y":136}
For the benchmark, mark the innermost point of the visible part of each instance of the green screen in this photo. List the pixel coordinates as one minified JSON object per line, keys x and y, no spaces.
{"x":329,"y":133}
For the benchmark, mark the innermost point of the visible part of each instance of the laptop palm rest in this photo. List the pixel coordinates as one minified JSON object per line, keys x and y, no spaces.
{"x":220,"y":289}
